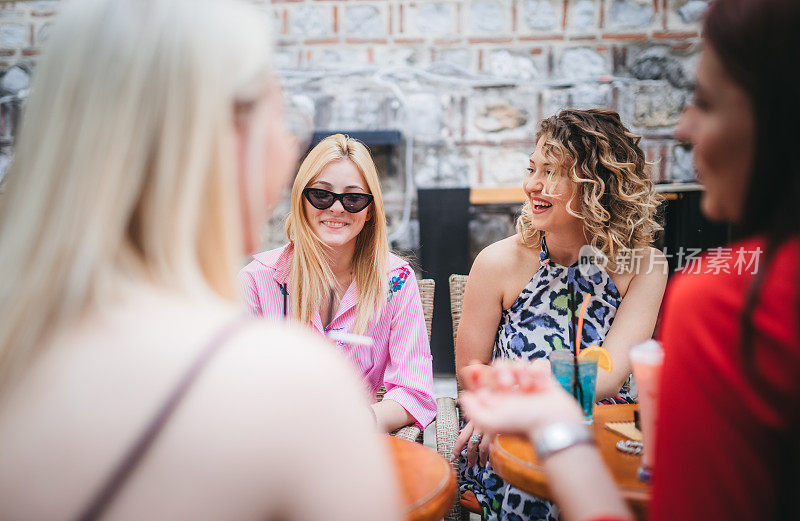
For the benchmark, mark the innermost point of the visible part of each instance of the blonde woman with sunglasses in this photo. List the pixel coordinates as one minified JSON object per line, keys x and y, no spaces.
{"x":133,"y":385}
{"x":337,"y":276}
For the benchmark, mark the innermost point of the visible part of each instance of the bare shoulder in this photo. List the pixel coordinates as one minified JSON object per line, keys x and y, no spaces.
{"x":277,"y":356}
{"x":265,"y":400}
{"x":505,"y":255}
{"x":652,"y":264}
{"x":257,"y":405}
{"x":503,"y":269}
{"x":257,"y":355}
{"x":304,"y":411}
{"x":646,"y":269}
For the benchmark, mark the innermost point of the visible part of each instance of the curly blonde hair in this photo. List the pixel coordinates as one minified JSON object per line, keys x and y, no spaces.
{"x":611,"y":179}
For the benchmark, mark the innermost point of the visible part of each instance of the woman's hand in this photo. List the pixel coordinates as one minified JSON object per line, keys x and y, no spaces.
{"x":477,"y":445}
{"x":521,"y":398}
{"x":515,"y":398}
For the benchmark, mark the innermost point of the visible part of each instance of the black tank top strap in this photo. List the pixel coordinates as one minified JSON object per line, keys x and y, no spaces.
{"x":127,"y":465}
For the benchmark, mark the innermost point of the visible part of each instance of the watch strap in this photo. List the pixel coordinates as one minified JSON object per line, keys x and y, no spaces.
{"x":560,"y":436}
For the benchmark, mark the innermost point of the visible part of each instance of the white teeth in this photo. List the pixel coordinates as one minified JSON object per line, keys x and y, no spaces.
{"x":334,"y":224}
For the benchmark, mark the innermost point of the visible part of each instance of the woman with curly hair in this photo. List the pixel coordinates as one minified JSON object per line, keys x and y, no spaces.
{"x":726,"y":443}
{"x":587,"y":184}
{"x":336,"y":274}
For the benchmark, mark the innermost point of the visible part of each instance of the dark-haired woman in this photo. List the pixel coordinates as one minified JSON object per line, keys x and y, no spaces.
{"x":587,"y":184}
{"x":729,"y":411}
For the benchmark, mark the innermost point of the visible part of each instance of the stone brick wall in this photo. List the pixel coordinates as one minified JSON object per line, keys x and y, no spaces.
{"x":469,"y":80}
{"x":465,"y":81}
{"x":23,"y":28}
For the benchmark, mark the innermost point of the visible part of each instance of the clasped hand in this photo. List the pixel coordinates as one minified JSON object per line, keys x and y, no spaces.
{"x":510,"y":397}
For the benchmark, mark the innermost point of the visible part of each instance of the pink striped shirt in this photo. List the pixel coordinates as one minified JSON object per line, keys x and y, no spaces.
{"x":400,"y":357}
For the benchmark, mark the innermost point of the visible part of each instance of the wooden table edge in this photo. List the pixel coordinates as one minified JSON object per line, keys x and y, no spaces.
{"x":446,"y":489}
{"x":508,"y":465}
{"x":501,"y":461}
{"x":437,"y":503}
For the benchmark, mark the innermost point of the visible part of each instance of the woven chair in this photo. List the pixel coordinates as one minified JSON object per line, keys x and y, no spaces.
{"x":447,"y":416}
{"x":426,"y":290}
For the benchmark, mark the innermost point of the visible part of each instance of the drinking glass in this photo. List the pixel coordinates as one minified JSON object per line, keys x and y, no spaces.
{"x":583,"y":389}
{"x":647,"y":359}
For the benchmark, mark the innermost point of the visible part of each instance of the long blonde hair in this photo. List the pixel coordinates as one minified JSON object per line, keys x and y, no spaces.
{"x":311,"y":275}
{"x":125,"y":166}
{"x":612,"y":181}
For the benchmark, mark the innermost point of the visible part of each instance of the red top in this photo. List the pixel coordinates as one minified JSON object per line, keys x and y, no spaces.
{"x":720,"y":440}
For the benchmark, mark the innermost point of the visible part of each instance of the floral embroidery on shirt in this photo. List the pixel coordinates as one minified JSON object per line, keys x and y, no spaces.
{"x":395,"y":283}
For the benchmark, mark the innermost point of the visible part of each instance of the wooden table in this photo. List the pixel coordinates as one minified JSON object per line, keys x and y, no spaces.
{"x":427,"y":481}
{"x":515,"y":460}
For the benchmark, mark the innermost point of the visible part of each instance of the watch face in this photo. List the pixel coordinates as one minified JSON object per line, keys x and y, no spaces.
{"x":560,"y":436}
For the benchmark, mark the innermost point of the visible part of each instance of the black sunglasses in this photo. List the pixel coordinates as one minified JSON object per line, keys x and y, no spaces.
{"x":324,"y":199}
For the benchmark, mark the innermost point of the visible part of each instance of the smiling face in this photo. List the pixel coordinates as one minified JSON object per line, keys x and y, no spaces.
{"x":335,"y":226}
{"x":549,"y":206}
{"x":720,"y":125}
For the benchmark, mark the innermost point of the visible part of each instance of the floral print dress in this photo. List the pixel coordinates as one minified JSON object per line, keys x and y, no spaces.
{"x":537,"y":323}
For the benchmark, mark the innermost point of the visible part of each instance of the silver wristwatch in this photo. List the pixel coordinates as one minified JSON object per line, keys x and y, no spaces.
{"x":559,"y":436}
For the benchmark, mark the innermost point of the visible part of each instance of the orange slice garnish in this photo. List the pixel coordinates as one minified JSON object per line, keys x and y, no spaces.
{"x":604,"y":360}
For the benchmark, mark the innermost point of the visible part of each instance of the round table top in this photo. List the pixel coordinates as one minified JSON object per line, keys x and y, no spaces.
{"x":427,"y":481}
{"x":514,"y":459}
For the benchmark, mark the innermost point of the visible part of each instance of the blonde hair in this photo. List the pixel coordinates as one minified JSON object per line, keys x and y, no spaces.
{"x":311,"y":275}
{"x":611,"y":179}
{"x":125,"y":164}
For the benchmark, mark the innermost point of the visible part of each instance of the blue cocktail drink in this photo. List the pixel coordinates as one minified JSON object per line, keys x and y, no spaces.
{"x":563,"y":367}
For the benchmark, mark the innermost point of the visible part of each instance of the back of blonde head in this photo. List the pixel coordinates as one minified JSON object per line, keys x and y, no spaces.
{"x":125,"y":165}
{"x":311,"y":276}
